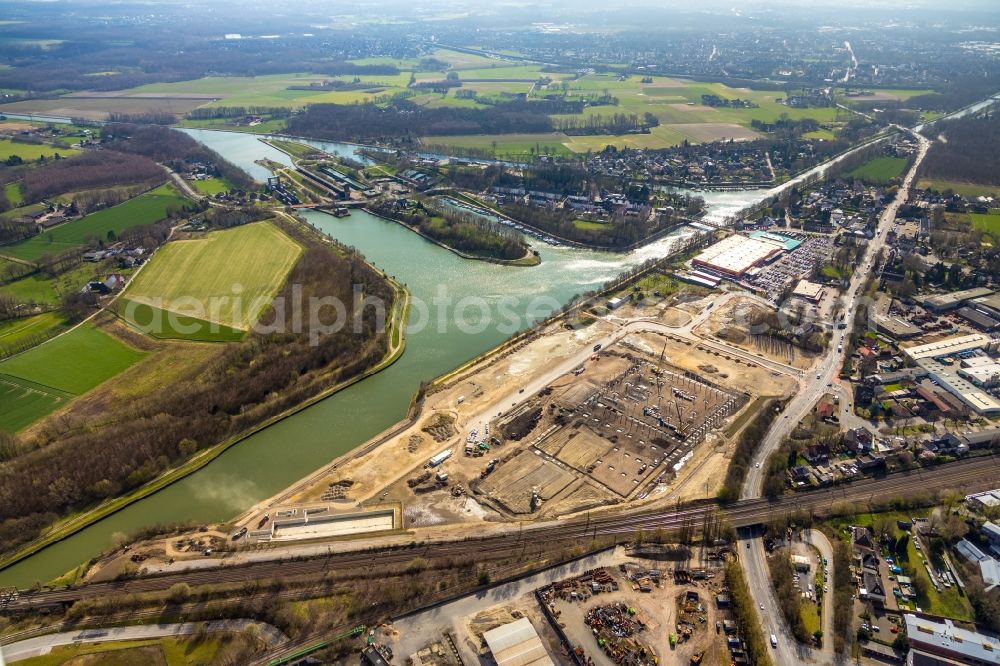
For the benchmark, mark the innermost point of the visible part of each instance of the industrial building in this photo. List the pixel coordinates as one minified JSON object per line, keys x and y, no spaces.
{"x":517,"y":644}
{"x":735,"y":255}
{"x":947,"y":347}
{"x":808,"y":290}
{"x":984,"y":500}
{"x":958,"y":366}
{"x":934,"y":642}
{"x":954,"y":299}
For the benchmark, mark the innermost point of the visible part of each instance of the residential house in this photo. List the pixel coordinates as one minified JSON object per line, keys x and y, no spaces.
{"x":872,"y":588}
{"x":858,"y":440}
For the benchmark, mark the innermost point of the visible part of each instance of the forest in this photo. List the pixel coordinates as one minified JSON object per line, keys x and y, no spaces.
{"x":971,"y":153}
{"x":90,"y":170}
{"x":464,"y":232}
{"x":620,"y":231}
{"x":78,"y":460}
{"x":172,"y":148}
{"x":404,"y":120}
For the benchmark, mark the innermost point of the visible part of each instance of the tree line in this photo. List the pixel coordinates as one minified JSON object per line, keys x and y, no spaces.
{"x":971,"y":153}
{"x":404,"y":120}
{"x":746,"y":446}
{"x":76,"y":460}
{"x":464,"y":232}
{"x":616,"y":123}
{"x":210,"y":112}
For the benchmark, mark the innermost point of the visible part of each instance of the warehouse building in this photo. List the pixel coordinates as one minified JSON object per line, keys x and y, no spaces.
{"x":955,"y":299}
{"x":957,"y":365}
{"x":517,"y":644}
{"x":947,"y":347}
{"x":735,"y":255}
{"x":934,"y":642}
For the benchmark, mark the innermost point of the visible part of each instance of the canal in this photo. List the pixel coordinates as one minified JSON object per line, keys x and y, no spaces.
{"x":272,"y":459}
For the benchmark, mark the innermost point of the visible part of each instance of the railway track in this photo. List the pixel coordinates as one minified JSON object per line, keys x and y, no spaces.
{"x":969,"y":475}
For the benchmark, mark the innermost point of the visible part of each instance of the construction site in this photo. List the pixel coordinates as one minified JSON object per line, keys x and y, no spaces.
{"x":610,"y":432}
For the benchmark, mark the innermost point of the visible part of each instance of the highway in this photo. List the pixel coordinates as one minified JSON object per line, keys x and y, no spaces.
{"x":821,"y":380}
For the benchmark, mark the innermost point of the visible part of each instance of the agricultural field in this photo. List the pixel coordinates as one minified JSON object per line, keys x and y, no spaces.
{"x":31,"y":152}
{"x":16,"y":332}
{"x":97,"y":108}
{"x":197,"y":278}
{"x":965,"y":189}
{"x":168,"y":325}
{"x":144,"y":209}
{"x":74,"y":362}
{"x":269,"y":90}
{"x":885,"y":95}
{"x":44,"y":378}
{"x":676,"y":103}
{"x":24,"y":402}
{"x":880,"y":169}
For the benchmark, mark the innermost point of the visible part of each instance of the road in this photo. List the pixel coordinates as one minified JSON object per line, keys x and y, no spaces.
{"x":43,"y":645}
{"x":818,"y":540}
{"x":824,"y":373}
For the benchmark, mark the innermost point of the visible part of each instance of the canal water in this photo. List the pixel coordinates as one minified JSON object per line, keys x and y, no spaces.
{"x":270,"y":460}
{"x":491,"y":301}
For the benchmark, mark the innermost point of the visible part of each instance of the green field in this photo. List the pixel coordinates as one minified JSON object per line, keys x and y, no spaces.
{"x":168,"y":325}
{"x":74,"y":362}
{"x":144,"y":209}
{"x":587,"y":224}
{"x":42,"y":379}
{"x":198,"y":278}
{"x":182,"y":651}
{"x":31,"y":152}
{"x":958,"y":187}
{"x":39,"y":288}
{"x":211,"y":186}
{"x":880,"y":169}
{"x":24,"y":402}
{"x":17,"y":331}
{"x":13,"y":193}
{"x":989,"y":222}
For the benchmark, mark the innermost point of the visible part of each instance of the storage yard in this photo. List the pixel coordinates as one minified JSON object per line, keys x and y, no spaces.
{"x":609,"y":609}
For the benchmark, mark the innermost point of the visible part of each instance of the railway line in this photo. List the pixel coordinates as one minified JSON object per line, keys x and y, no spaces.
{"x":972,"y":474}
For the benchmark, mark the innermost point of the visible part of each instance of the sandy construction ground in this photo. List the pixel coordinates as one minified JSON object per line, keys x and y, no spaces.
{"x":734,"y":317}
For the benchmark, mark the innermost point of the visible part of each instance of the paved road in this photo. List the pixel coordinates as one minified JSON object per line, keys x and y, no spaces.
{"x":821,"y":380}
{"x":42,"y":645}
{"x":818,"y":540}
